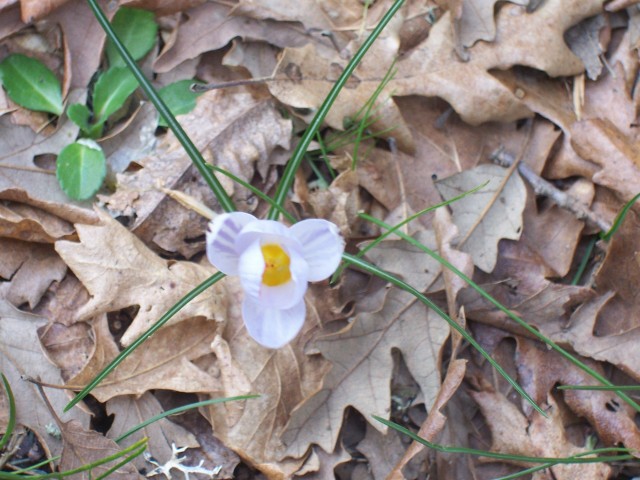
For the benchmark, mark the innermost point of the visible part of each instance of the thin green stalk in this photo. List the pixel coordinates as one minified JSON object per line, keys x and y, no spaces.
{"x":367,"y":112}
{"x":606,"y":236}
{"x":11,"y":422}
{"x":139,"y":445}
{"x":579,"y":458}
{"x":122,"y":463}
{"x":367,"y":267}
{"x":177,"y":410}
{"x":289,"y":172}
{"x":389,"y":232}
{"x":256,"y":192}
{"x":179,"y":305}
{"x":505,"y":310}
{"x":583,"y":263}
{"x":225,"y":201}
{"x":612,"y":388}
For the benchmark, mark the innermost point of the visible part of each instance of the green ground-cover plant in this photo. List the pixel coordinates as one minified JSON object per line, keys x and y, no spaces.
{"x":277,"y":208}
{"x":81,"y":167}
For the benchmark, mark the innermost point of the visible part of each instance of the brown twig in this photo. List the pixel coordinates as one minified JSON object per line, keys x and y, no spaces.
{"x":542,"y":187}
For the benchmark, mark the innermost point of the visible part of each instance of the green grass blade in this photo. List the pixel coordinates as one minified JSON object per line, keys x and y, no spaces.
{"x":184,"y":408}
{"x":140,"y":340}
{"x":123,"y":462}
{"x":612,"y":388}
{"x":508,"y":312}
{"x":367,"y":267}
{"x":289,"y":172}
{"x":389,"y":232}
{"x":139,"y":445}
{"x":225,"y":201}
{"x":518,"y":458}
{"x":11,"y":423}
{"x":619,"y":219}
{"x":256,"y":192}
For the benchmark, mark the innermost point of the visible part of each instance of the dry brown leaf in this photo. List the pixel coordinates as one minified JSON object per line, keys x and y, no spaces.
{"x":435,"y":422}
{"x":407,"y":262}
{"x":21,"y":355}
{"x":83,"y":39}
{"x":283,"y":377}
{"x":474,"y":20}
{"x":22,"y":181}
{"x":210,"y":26}
{"x":237,"y":131}
{"x":129,"y":412}
{"x":620,"y":273}
{"x":68,"y":347}
{"x":326,"y":15}
{"x":530,"y":39}
{"x":512,"y":433}
{"x":600,"y":142}
{"x":446,"y":235}
{"x":554,"y":233}
{"x":24,"y":222}
{"x":362,"y":366}
{"x":29,"y":270}
{"x":581,"y":334}
{"x":483,"y":219}
{"x":381,"y":450}
{"x":33,"y":10}
{"x":166,"y":361}
{"x":82,"y":446}
{"x":540,"y":369}
{"x":119,"y":271}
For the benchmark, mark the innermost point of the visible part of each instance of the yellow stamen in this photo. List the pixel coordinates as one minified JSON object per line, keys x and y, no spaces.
{"x":276,"y":265}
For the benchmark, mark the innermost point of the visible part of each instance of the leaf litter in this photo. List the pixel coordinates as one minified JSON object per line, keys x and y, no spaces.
{"x":550,"y":83}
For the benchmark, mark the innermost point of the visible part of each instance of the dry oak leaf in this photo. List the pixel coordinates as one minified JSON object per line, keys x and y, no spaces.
{"x":236,"y":130}
{"x":619,"y":350}
{"x":601,"y":142}
{"x":512,"y":433}
{"x":620,"y":273}
{"x":21,"y":355}
{"x":540,"y":369}
{"x":483,"y":219}
{"x":119,"y":271}
{"x":362,"y":364}
{"x":28,"y":270}
{"x":210,"y":26}
{"x":305,"y":76}
{"x":82,"y":447}
{"x":129,"y":412}
{"x":473,"y":20}
{"x":22,"y":181}
{"x":529,"y":39}
{"x":164,"y":361}
{"x":283,"y":378}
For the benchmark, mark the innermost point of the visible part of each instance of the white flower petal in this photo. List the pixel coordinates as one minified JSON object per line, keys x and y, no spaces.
{"x":251,"y":269}
{"x":222,"y":234}
{"x":322,"y":246}
{"x":272,"y":327}
{"x":268,"y":231}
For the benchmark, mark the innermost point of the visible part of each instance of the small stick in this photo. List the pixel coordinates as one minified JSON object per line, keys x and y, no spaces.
{"x":542,"y":187}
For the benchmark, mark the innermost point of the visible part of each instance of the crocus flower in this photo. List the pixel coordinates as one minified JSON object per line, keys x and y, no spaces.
{"x":275,"y":264}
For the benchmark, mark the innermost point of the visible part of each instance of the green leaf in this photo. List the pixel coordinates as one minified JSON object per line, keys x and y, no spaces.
{"x":179,"y":98}
{"x":81,"y":168}
{"x":136,"y":29}
{"x":31,"y":84}
{"x":80,"y":115}
{"x":111,"y":91}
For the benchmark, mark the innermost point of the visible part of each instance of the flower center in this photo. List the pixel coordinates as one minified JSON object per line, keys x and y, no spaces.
{"x":276,"y":265}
